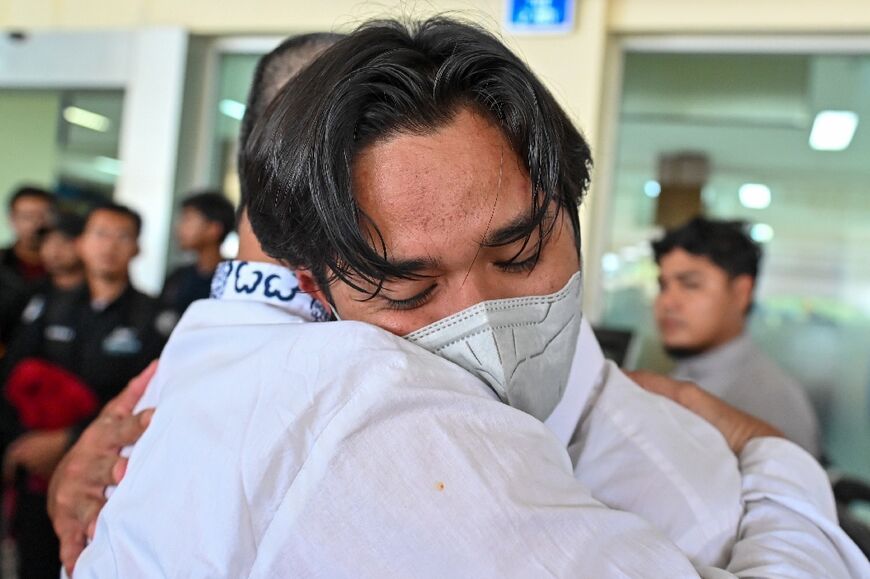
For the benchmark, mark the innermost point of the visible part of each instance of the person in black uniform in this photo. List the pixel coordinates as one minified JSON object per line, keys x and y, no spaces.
{"x":58,"y":252}
{"x":206,"y":220}
{"x":21,"y":270}
{"x":62,"y":265}
{"x":30,"y":209}
{"x":102,"y":332}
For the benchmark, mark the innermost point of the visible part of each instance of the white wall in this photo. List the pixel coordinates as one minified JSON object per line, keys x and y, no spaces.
{"x":148,"y":64}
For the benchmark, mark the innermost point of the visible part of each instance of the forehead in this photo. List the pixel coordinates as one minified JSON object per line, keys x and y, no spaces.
{"x":110,"y":219}
{"x":192,"y":212}
{"x":679,"y":261}
{"x":440,"y":192}
{"x":31,"y":203}
{"x":56,"y":236}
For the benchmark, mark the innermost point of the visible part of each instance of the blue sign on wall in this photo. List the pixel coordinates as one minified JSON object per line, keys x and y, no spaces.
{"x":540,"y":16}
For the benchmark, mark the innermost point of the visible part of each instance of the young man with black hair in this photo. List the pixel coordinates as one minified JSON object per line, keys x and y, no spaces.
{"x":21,"y":269}
{"x":382,"y":459}
{"x":57,"y":249}
{"x":103,"y":334}
{"x":60,"y":258}
{"x":708,"y":274}
{"x":205,"y":221}
{"x":30,"y":209}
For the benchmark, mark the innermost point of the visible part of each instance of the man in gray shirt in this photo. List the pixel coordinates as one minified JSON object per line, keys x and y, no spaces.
{"x":707,"y":278}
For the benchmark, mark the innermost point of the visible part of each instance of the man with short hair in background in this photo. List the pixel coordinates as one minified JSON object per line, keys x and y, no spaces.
{"x":99,"y":335}
{"x":708,"y":274}
{"x":206,"y":220}
{"x":21,"y":270}
{"x":57,"y":249}
{"x":30,"y":209}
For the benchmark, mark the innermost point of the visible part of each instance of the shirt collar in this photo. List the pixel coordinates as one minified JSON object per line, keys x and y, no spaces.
{"x":266,"y":283}
{"x":728,"y":355}
{"x":586,"y":368}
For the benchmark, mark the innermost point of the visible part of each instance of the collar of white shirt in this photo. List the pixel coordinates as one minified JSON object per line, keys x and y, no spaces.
{"x":268,"y":283}
{"x":585,"y":372}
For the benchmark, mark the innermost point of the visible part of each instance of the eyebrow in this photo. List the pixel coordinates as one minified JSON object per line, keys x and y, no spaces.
{"x":518,"y":227}
{"x":415,"y":264}
{"x":688,"y":275}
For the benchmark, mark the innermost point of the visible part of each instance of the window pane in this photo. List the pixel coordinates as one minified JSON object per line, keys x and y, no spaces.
{"x":718,"y":123}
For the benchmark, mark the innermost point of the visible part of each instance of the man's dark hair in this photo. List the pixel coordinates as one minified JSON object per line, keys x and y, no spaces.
{"x":384,"y":79}
{"x":30,"y":191}
{"x":273,"y":71}
{"x":725,"y":243}
{"x":119,"y":210}
{"x":68,"y":224}
{"x":214,"y":206}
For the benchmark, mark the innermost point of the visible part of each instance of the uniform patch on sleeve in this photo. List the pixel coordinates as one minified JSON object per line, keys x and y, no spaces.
{"x":122,"y":341}
{"x":34,"y":309}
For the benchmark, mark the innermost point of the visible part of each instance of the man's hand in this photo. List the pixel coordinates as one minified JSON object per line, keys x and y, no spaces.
{"x":77,"y":490}
{"x":38,"y":452}
{"x":736,"y":426}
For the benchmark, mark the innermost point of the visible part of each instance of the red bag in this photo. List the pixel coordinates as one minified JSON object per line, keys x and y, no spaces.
{"x":48,"y":397}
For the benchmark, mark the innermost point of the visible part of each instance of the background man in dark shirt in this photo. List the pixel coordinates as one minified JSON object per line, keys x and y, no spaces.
{"x":21,"y":268}
{"x":57,"y":250}
{"x":206,"y":220}
{"x":30,"y":209}
{"x":102,"y":332}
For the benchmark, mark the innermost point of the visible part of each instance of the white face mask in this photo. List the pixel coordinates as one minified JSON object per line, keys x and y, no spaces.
{"x":521,"y":347}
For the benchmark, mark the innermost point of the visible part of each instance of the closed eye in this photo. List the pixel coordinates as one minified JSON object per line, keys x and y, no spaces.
{"x":524,"y":266}
{"x":410,"y":303}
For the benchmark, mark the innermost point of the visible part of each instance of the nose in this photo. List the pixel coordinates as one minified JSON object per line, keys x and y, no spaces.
{"x":667,"y":299}
{"x":478,"y":287}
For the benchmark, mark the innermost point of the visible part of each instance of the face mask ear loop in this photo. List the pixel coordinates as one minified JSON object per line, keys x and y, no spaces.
{"x":334,"y":311}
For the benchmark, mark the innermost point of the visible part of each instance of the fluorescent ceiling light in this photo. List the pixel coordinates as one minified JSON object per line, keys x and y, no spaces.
{"x":232,"y":109}
{"x":761,"y":232}
{"x":652,"y":189}
{"x":833,"y":130}
{"x":87,"y":119}
{"x":754,"y":195}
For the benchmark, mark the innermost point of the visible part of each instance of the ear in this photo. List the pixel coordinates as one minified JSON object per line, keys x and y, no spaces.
{"x":743,"y":287}
{"x":309,"y":285}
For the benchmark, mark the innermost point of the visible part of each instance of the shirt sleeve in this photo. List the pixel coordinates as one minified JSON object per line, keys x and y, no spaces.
{"x":479,"y":489}
{"x":423,"y":482}
{"x":790,"y":528}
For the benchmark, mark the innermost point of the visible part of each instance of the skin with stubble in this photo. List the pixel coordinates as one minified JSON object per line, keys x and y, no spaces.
{"x":444,"y":201}
{"x":699,"y":306}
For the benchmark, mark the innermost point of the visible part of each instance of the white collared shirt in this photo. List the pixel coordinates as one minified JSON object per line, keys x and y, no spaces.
{"x":270,"y":283}
{"x":281,"y":448}
{"x":645,"y":454}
